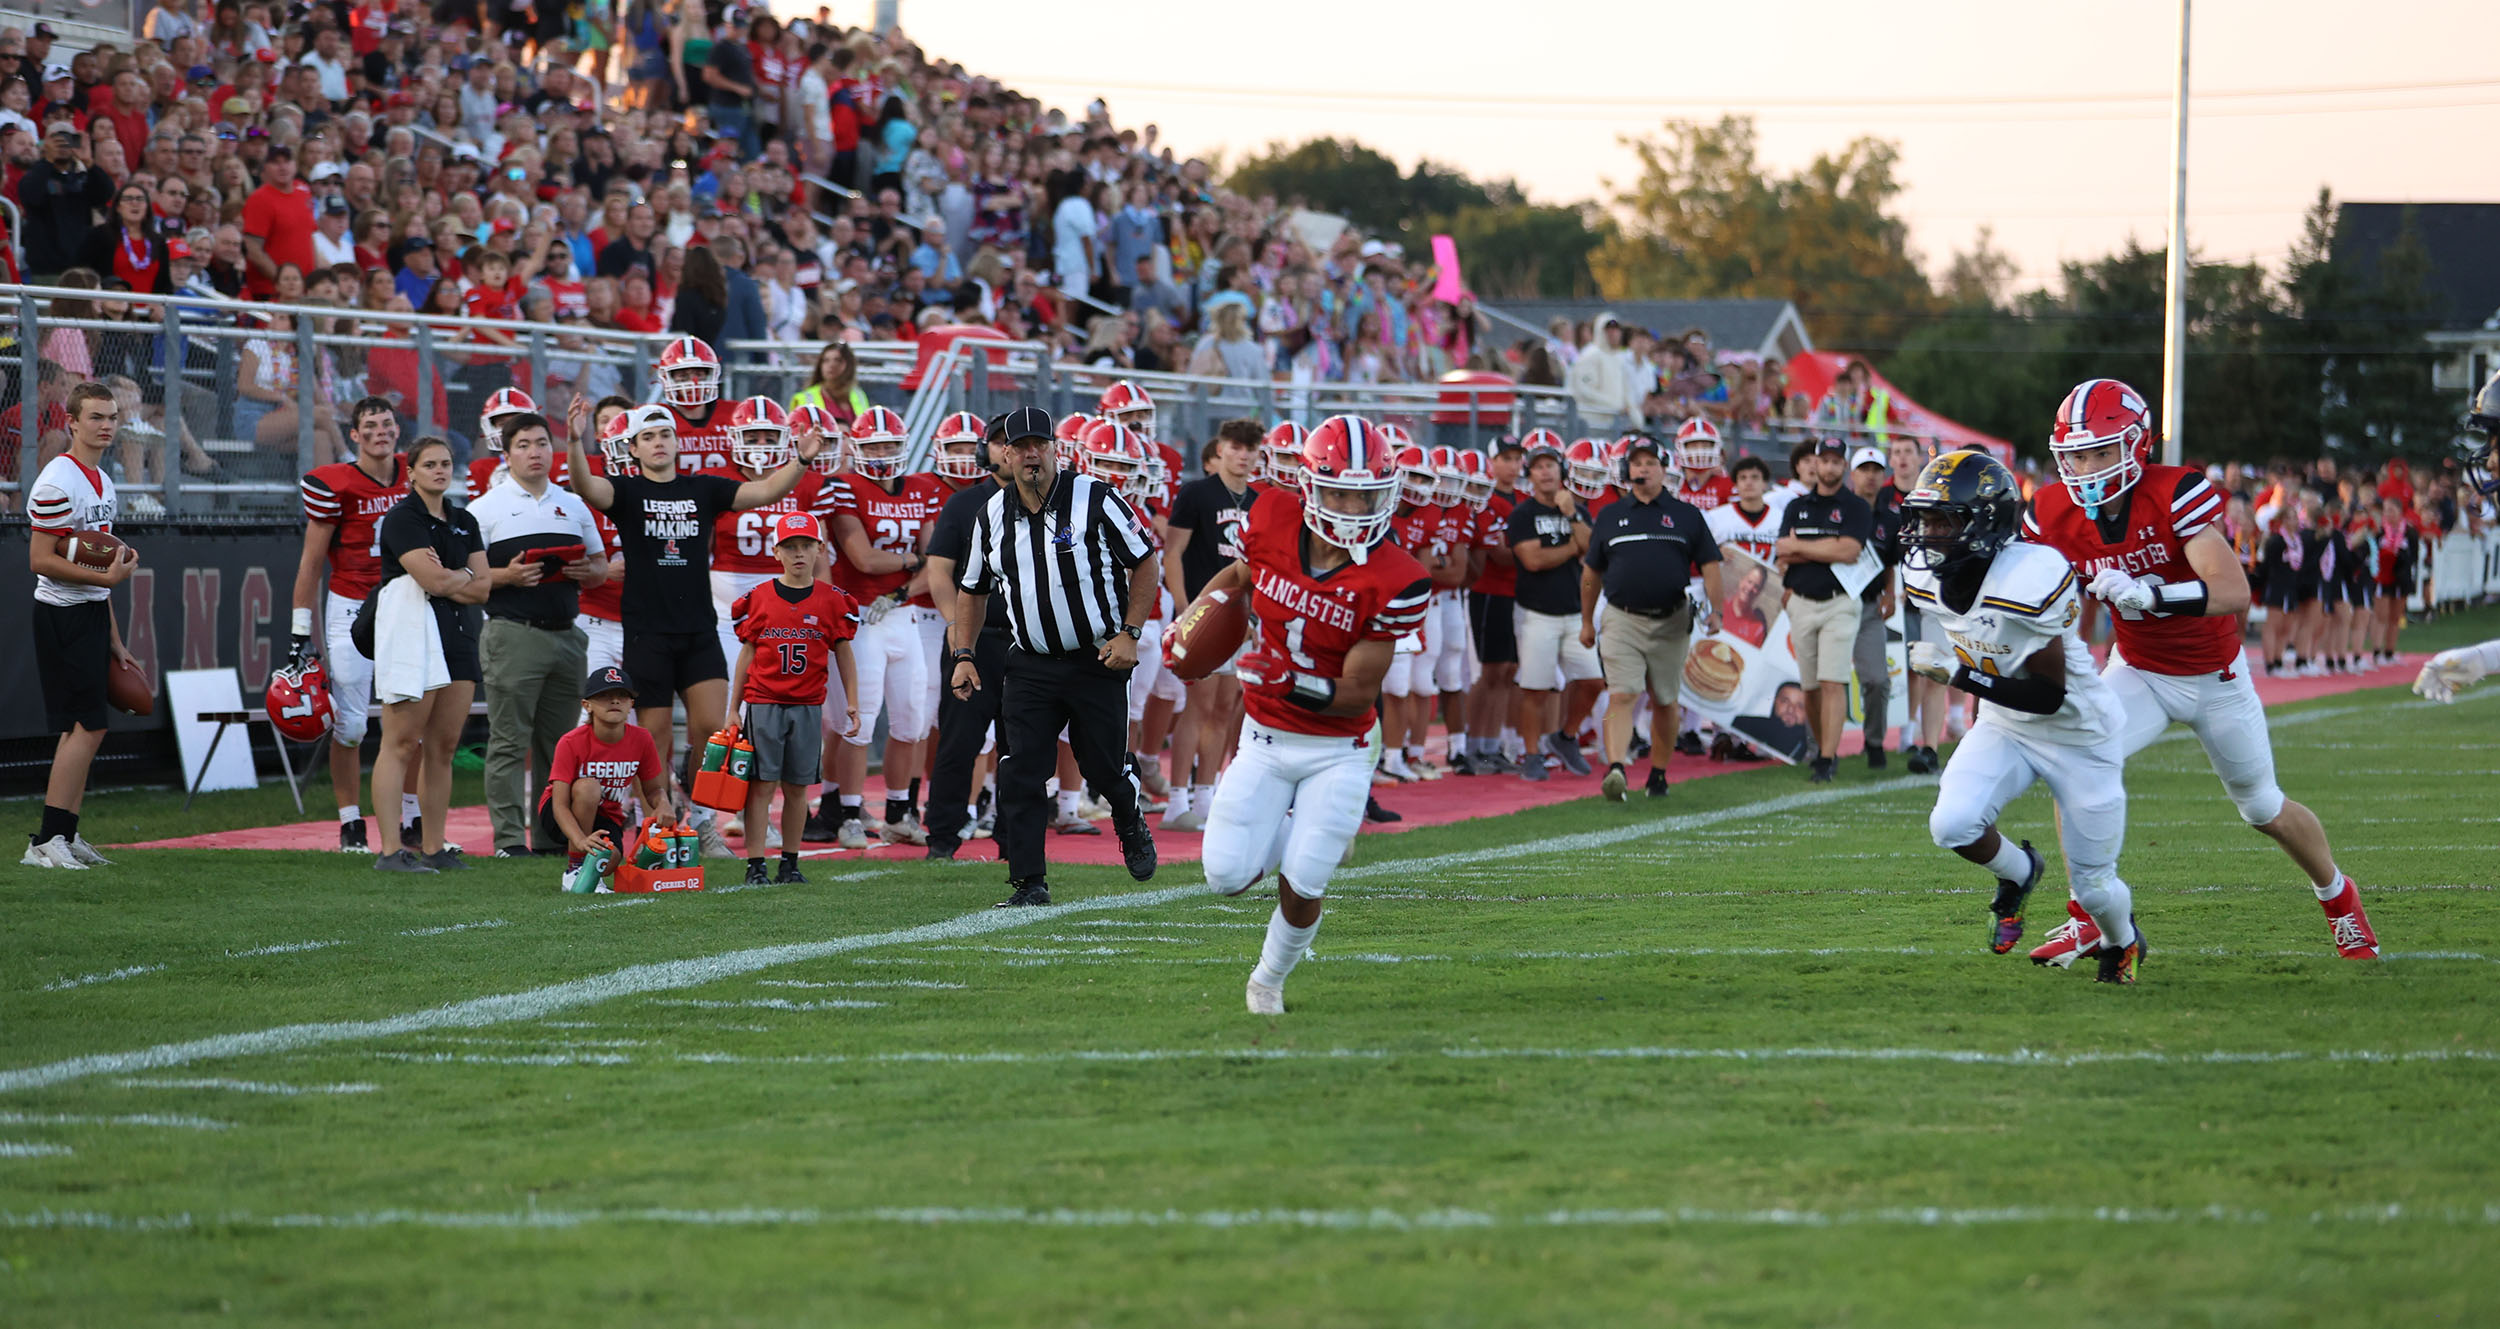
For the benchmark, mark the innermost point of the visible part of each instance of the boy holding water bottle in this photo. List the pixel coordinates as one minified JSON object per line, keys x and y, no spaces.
{"x":597,"y":768}
{"x":790,"y":631}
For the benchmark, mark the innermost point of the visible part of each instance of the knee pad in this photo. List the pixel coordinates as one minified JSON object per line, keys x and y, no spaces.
{"x":347,"y":728}
{"x":2259,"y":804}
{"x":1952,"y":827}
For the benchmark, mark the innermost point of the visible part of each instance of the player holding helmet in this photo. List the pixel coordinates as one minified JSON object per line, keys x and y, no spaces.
{"x":344,"y":503}
{"x":2148,"y":539}
{"x":880,"y":518}
{"x":1329,"y":596}
{"x":2009,"y":610}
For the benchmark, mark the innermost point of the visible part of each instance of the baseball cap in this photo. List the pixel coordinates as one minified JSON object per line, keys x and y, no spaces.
{"x":335,"y":207}
{"x":1507,"y":443}
{"x":1828,"y":443}
{"x":328,"y":171}
{"x":611,"y":678}
{"x":202,"y":74}
{"x":65,"y":130}
{"x":45,"y":31}
{"x":55,"y":73}
{"x":416,"y":242}
{"x":1867,"y":456}
{"x":178,"y":250}
{"x":797,"y":526}
{"x":1022,"y":423}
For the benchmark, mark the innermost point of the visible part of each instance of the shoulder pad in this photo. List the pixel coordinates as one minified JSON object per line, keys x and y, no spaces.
{"x":2033,"y":582}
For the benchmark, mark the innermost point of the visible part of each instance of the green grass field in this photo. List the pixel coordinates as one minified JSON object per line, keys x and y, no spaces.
{"x":1739,"y":1058}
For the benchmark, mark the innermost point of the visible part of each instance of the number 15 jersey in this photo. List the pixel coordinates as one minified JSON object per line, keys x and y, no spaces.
{"x":793,"y":632}
{"x":1314,"y":618}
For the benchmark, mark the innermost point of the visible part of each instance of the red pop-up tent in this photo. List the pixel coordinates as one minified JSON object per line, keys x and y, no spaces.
{"x":1812,"y":372}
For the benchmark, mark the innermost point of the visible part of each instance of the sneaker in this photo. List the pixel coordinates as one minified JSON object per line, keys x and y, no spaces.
{"x":446,"y":859}
{"x":2006,"y":925}
{"x":1915,"y":760}
{"x":985,"y":825}
{"x":1638,"y":751}
{"x":755,"y":874}
{"x":514,"y":853}
{"x":1150,"y":777}
{"x":2349,"y":925}
{"x":1822,"y":769}
{"x":85,"y":853}
{"x":1563,"y":749}
{"x":1934,"y":762}
{"x":1149,"y":805}
{"x":1373,"y":812}
{"x":1689,"y":744}
{"x":405,"y":860}
{"x":772,"y":835}
{"x":1074,"y":823}
{"x":352,"y":837}
{"x":2069,"y":941}
{"x":1191,"y":818}
{"x":1093,"y":809}
{"x":1496,"y":763}
{"x":1657,"y":786}
{"x":943,"y":850}
{"x":1137,"y":850}
{"x":853,"y":835}
{"x":906,"y":831}
{"x":817,"y":830}
{"x":1874,"y":757}
{"x":1265,"y":1000}
{"x":715,"y":844}
{"x":1615,"y":783}
{"x":789,"y":875}
{"x":1463,"y":764}
{"x":1532,"y":769}
{"x":52,"y":853}
{"x":1028,"y":893}
{"x":1393,"y":764}
{"x":2120,"y":963}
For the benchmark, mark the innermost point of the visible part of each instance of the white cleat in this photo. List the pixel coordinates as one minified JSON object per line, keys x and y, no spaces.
{"x":85,"y":853}
{"x":52,"y":853}
{"x":906,"y":831}
{"x":853,"y":834}
{"x":1187,"y":819}
{"x":1265,"y":1000}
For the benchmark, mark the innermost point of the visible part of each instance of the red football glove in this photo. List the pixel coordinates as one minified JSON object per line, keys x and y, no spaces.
{"x":1263,"y":669}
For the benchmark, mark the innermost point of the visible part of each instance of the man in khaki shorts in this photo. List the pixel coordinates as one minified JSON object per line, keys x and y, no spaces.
{"x":1823,"y":531}
{"x":1644,"y":550}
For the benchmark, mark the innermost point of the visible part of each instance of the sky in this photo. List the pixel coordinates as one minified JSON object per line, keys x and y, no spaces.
{"x":2047,"y":120}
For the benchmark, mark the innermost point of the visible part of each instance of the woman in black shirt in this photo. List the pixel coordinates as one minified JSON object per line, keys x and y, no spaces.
{"x":439,"y":545}
{"x":702,"y":298}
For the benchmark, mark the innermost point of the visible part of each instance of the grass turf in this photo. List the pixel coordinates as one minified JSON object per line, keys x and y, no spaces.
{"x":1700,"y":1061}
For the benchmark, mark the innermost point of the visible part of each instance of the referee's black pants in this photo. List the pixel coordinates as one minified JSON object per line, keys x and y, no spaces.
{"x":962,"y":724}
{"x":1044,"y":693}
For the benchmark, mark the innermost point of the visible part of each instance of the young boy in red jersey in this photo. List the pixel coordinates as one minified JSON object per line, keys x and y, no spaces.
{"x":596,"y":768}
{"x":789,"y":628}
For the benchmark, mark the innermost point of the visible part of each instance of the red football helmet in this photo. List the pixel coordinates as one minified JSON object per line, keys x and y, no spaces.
{"x":690,"y":374}
{"x":1350,"y":482}
{"x":1475,"y":483}
{"x":1698,"y":450}
{"x":1397,"y":436}
{"x":1129,"y":404}
{"x":1584,"y":467}
{"x":2098,"y":413}
{"x":877,"y":442}
{"x":1068,"y":439}
{"x":1416,"y":482}
{"x":1280,"y":454}
{"x":616,"y":442}
{"x":1449,"y":482}
{"x":1113,"y":453}
{"x":299,"y":701}
{"x":759,"y":434}
{"x":504,"y":403}
{"x":958,"y":446}
{"x":829,"y":429}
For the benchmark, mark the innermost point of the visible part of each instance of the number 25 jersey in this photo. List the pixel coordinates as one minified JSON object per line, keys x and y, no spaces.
{"x":2027,"y":601}
{"x":892,"y":521}
{"x":1313,"y":619}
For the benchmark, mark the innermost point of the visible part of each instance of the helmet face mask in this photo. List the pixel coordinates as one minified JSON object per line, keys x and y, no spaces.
{"x":501,"y":406}
{"x":1128,"y":404}
{"x":1418,"y":483}
{"x":1964,"y":509}
{"x":2479,"y":452}
{"x":759,"y":435}
{"x":1113,"y":453}
{"x":957,"y":447}
{"x":1698,"y":451}
{"x":690,"y":374}
{"x":298,"y":701}
{"x":877,"y":444}
{"x":1584,"y":468}
{"x":1350,"y":481}
{"x":1280,"y":454}
{"x":2100,"y":413}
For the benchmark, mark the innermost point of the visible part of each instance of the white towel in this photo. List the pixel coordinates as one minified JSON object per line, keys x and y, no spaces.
{"x":407,"y":644}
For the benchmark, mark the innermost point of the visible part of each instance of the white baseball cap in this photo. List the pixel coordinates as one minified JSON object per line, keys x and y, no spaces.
{"x":1867,"y":456}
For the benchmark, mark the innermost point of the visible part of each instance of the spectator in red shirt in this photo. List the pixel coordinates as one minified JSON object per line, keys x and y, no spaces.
{"x":127,"y":115}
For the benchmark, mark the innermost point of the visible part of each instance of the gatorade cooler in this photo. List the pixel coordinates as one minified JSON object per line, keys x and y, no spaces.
{"x":662,"y":858}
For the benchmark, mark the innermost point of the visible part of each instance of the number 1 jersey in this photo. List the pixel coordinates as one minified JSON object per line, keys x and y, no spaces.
{"x":1314,"y":618}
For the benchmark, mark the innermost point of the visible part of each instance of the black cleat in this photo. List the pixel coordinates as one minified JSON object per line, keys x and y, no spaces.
{"x":2006,"y":927}
{"x":1689,"y":744}
{"x":755,"y":873}
{"x":789,"y":876}
{"x":2119,"y":964}
{"x":1029,"y":892}
{"x":1373,"y":812}
{"x":1874,"y":757}
{"x":1657,"y":786}
{"x":943,"y":850}
{"x":352,"y":837}
{"x":1638,"y":751}
{"x":1137,"y":849}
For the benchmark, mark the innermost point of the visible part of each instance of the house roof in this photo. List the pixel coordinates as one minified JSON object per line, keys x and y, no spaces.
{"x":2463,"y":240}
{"x":1732,"y":324}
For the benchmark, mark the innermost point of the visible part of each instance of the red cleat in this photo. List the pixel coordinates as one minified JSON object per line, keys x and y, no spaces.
{"x":2069,"y":941}
{"x":2350,"y":925}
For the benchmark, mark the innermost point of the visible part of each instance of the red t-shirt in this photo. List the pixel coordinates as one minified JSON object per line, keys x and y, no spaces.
{"x":1493,"y":532}
{"x":131,"y":127}
{"x":283,"y":219}
{"x":607,"y":599}
{"x":644,"y":321}
{"x":793,"y":639}
{"x":619,"y":767}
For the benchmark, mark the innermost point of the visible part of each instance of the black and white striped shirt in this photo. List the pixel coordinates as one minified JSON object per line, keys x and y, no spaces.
{"x":1063,"y":570}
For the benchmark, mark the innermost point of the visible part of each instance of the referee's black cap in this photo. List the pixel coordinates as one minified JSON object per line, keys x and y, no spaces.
{"x":1022,"y":423}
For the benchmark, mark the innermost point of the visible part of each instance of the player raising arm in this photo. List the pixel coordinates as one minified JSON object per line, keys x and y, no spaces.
{"x":2447,"y":671}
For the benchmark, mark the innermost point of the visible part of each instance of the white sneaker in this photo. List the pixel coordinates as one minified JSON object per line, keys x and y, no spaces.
{"x":854,"y":832}
{"x":1190,"y":818}
{"x":715,"y":844}
{"x":1393,"y":764}
{"x":85,"y":853}
{"x":52,"y":853}
{"x":1265,"y":1000}
{"x":1093,"y":809}
{"x":906,"y":831}
{"x":983,"y":827}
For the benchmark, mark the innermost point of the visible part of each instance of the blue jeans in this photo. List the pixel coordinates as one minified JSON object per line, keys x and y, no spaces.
{"x":738,"y":121}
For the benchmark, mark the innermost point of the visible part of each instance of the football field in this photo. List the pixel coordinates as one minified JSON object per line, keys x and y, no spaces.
{"x":1738,"y":1056}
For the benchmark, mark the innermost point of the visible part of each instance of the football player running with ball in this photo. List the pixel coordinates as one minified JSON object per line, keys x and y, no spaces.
{"x":1329,"y":595}
{"x":2009,"y":611}
{"x":2479,"y":453}
{"x":2148,"y":540}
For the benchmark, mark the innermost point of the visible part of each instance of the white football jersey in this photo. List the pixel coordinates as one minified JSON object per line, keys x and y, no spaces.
{"x":70,"y":496}
{"x":1729,"y":526}
{"x":2027,"y":601}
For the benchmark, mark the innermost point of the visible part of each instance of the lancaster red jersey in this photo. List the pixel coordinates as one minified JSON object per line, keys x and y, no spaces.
{"x":607,"y":599}
{"x":793,"y":639}
{"x":1314,"y":620}
{"x":894,"y":523}
{"x":1590,"y":507}
{"x":353,"y":503}
{"x":703,"y":449}
{"x":1454,"y":524}
{"x":952,"y":488}
{"x":1417,"y":530}
{"x":741,"y":541}
{"x":1715,"y":491}
{"x":2145,"y":536}
{"x":1492,"y":532}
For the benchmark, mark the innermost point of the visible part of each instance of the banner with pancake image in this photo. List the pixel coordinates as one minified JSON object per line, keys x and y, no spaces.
{"x":1742,"y":679}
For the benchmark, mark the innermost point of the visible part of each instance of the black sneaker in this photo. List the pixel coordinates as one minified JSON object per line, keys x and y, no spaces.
{"x":2120,"y":963}
{"x":755,"y":873}
{"x":1689,"y":744}
{"x":1874,"y":757}
{"x":943,"y":850}
{"x":1462,"y":764}
{"x":1657,"y":786}
{"x":1915,"y":758}
{"x":1373,"y":812}
{"x":352,"y":837}
{"x":446,"y":859}
{"x":405,"y":860}
{"x":1028,"y":892}
{"x":789,"y":876}
{"x":1137,"y":850}
{"x":817,"y":831}
{"x":1823,"y":770}
{"x":1638,"y":751}
{"x":1934,"y":762}
{"x":514,"y":853}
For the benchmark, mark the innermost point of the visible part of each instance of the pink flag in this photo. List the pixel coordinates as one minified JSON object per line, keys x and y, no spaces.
{"x":1447,"y":287}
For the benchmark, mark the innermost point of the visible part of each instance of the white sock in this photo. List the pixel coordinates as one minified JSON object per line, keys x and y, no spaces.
{"x":1202,"y":797}
{"x":850,"y":807}
{"x":2011,"y":863}
{"x":2334,"y":884}
{"x":408,"y":809}
{"x":1067,"y":803}
{"x":1286,"y":945}
{"x":2112,"y":906}
{"x":350,"y":813}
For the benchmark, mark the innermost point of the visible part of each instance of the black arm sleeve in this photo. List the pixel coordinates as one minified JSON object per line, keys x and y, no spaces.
{"x":2032,"y":696}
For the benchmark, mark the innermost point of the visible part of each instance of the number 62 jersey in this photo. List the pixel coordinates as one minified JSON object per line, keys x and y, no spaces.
{"x":1313,"y":619}
{"x":2027,"y":601}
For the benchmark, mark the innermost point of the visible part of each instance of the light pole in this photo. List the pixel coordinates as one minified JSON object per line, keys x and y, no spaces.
{"x":2174,"y":315}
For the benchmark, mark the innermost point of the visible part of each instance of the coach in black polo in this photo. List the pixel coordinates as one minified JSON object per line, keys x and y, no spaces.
{"x":1643,"y":551}
{"x":1822,"y":530}
{"x":1079,"y":574}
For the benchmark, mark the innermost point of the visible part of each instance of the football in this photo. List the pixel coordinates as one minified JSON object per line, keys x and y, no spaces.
{"x":127,"y":689}
{"x":93,"y":550}
{"x":1206,"y":635}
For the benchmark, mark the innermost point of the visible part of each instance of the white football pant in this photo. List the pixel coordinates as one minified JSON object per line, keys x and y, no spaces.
{"x":1997,"y":762}
{"x":2221,"y":710}
{"x":1322,"y":782}
{"x":893,"y":665}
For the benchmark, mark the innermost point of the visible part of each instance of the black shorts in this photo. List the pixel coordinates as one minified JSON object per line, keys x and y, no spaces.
{"x":549,"y":837}
{"x":663,"y":664}
{"x":1497,"y":635}
{"x":2281,"y":596}
{"x":459,"y":633}
{"x":73,"y":654}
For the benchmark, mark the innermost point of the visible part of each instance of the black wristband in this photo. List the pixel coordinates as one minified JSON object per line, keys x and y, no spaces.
{"x":958,"y":655}
{"x":2032,"y":696}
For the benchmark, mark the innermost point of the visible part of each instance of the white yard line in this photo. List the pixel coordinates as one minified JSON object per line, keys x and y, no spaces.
{"x":89,"y":980}
{"x":135,"y":1119}
{"x":457,"y":927}
{"x":25,"y":1149}
{"x":283,"y":948}
{"x":770,"y":1004}
{"x":251,"y":1087}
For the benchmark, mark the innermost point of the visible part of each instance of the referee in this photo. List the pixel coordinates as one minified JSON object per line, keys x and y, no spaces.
{"x":1079,"y":574}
